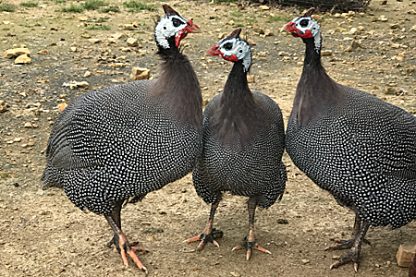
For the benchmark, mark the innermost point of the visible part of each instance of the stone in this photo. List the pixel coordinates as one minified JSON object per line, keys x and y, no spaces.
{"x":132,"y":42}
{"x":23,"y":59}
{"x":4,"y":107}
{"x":264,"y":7}
{"x":139,"y":73}
{"x":251,"y":78}
{"x":326,"y":53}
{"x":382,"y":18}
{"x":15,"y":52}
{"x":95,"y":40}
{"x":61,"y":106}
{"x":405,"y":254}
{"x":75,"y":84}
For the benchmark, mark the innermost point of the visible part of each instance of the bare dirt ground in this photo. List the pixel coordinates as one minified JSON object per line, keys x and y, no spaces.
{"x":43,"y":234}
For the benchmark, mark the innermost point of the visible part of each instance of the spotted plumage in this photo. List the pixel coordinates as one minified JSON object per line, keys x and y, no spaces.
{"x":122,"y":142}
{"x":352,"y":144}
{"x":243,"y":139}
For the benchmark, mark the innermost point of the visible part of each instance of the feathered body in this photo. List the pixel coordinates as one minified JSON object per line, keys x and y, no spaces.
{"x":243,"y":145}
{"x":350,"y":143}
{"x":125,"y":141}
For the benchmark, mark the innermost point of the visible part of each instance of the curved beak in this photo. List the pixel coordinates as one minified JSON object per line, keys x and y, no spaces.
{"x":189,"y":28}
{"x":290,"y":27}
{"x":214,"y":50}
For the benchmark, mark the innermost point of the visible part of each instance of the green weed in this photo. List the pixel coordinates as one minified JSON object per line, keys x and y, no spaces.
{"x":6,"y":7}
{"x":135,"y":6}
{"x":29,"y":4}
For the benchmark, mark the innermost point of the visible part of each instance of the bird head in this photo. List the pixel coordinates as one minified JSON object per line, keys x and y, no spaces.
{"x":303,"y":26}
{"x":233,"y":48}
{"x":172,"y":28}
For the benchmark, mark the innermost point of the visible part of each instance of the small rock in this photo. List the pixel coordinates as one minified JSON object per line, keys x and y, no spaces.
{"x":94,"y":40}
{"x":61,"y":106}
{"x":132,"y":42}
{"x":234,"y":274}
{"x":130,"y":27}
{"x":353,"y":31}
{"x":73,"y":49}
{"x":268,"y":33}
{"x":354,"y":45}
{"x":23,"y":59}
{"x":394,"y":26}
{"x":413,"y":28}
{"x":139,"y":73}
{"x":221,"y":36}
{"x":282,"y":221}
{"x":30,"y":125}
{"x":43,"y":52}
{"x":251,"y":78}
{"x":87,"y":74}
{"x":118,"y":35}
{"x":15,"y":52}
{"x":305,"y":261}
{"x":326,"y":53}
{"x":264,"y":7}
{"x":75,"y":84}
{"x":382,"y":18}
{"x":4,"y":107}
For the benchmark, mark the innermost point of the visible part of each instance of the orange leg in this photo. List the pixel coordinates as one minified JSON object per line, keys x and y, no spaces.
{"x":123,"y":246}
{"x":209,"y":234}
{"x":249,"y":242}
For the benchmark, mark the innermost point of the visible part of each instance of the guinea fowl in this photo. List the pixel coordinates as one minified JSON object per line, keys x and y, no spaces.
{"x":352,"y":144}
{"x":243,"y":143}
{"x":117,"y":144}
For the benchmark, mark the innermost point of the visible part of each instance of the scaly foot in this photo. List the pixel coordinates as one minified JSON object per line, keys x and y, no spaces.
{"x":249,"y":246}
{"x":205,"y":238}
{"x":352,"y":256}
{"x":344,"y":244}
{"x":127,"y":250}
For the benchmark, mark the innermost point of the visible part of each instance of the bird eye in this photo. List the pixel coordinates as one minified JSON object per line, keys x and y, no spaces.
{"x":176,"y":22}
{"x":228,"y":46}
{"x":304,"y":22}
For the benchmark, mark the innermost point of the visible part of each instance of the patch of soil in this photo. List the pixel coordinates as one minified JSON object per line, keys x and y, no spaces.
{"x":43,"y":234}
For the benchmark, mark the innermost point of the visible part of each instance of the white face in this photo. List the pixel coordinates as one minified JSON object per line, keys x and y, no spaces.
{"x":306,"y":25}
{"x":169,"y":26}
{"x":235,"y":49}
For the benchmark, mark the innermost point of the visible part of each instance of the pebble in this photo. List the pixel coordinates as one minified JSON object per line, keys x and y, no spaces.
{"x":251,"y":78}
{"x":264,"y":7}
{"x":132,"y":42}
{"x":23,"y":59}
{"x":4,"y":107}
{"x":75,"y":84}
{"x":95,"y":40}
{"x":326,"y":53}
{"x":382,"y":18}
{"x":139,"y":73}
{"x":61,"y":106}
{"x":305,"y":261}
{"x":15,"y":52}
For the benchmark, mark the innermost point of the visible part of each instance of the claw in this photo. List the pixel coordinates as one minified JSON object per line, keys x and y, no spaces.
{"x":204,"y":238}
{"x":356,"y":267}
{"x":248,"y":254}
{"x":215,"y":243}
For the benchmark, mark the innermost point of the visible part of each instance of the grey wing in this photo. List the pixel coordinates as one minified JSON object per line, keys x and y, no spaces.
{"x":200,"y":177}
